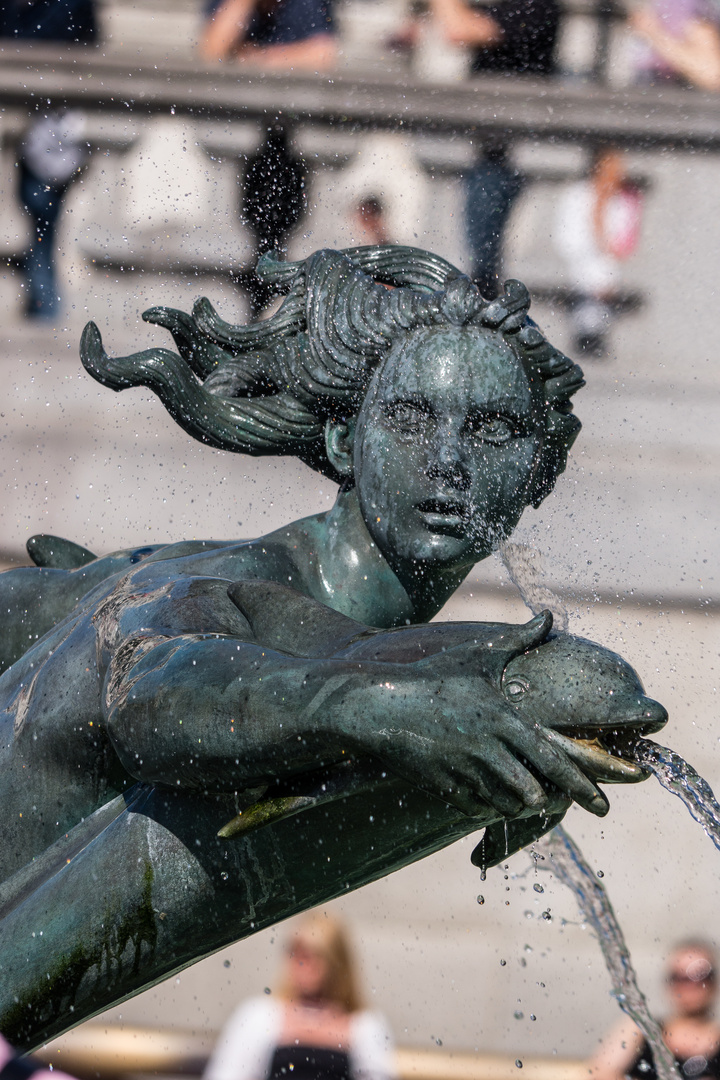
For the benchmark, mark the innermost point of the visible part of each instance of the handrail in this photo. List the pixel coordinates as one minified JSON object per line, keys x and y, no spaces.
{"x":516,"y":107}
{"x":107,"y":1051}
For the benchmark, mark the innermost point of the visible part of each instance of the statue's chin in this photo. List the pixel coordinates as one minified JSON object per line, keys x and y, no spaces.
{"x":607,"y":758}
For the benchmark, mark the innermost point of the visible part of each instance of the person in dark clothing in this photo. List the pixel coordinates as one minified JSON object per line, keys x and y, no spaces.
{"x":272,"y":202}
{"x":52,"y":150}
{"x":521,"y":40}
{"x":48,"y":20}
{"x":276,"y":34}
{"x":510,"y":37}
{"x":690,"y":1032}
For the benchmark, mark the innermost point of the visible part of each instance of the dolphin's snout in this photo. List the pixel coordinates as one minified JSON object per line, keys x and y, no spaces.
{"x":654,"y":716}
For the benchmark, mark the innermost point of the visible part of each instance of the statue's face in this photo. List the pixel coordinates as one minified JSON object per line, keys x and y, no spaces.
{"x":446,"y":444}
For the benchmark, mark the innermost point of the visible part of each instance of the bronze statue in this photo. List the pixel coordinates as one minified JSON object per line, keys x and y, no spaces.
{"x":170,"y":692}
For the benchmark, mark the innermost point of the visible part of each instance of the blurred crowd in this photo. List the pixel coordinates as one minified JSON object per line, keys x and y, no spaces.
{"x":598,"y":223}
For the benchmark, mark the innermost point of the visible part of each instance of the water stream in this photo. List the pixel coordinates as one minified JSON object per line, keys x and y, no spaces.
{"x":678,"y":777}
{"x":563,"y":857}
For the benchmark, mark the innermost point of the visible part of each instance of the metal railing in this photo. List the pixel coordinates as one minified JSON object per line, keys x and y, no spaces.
{"x":517,"y":107}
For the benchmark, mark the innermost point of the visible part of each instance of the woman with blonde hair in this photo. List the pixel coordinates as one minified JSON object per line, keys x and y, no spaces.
{"x":315,"y":1027}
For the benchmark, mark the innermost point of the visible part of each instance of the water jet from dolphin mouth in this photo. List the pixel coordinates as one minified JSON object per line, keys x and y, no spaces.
{"x":562,"y":856}
{"x":679,"y":778}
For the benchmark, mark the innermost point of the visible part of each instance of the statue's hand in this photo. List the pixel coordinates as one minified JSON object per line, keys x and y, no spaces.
{"x":452,"y":734}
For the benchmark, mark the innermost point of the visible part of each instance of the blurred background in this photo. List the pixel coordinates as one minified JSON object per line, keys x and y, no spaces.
{"x":607,"y":208}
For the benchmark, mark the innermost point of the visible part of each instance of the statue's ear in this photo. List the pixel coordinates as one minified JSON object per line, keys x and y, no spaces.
{"x":339,"y":439}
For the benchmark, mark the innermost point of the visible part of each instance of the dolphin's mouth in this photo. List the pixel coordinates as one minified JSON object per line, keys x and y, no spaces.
{"x":608,"y":756}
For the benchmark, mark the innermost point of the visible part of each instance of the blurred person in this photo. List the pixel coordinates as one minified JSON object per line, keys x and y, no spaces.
{"x":274,"y":34}
{"x":315,"y":1027}
{"x":49,"y":20}
{"x":369,"y":221}
{"x":491,"y":189}
{"x":272,"y":201}
{"x":680,"y":42}
{"x":52,"y":155}
{"x":690,"y":1032}
{"x":597,"y":225}
{"x":508,"y":37}
{"x":53,"y":150}
{"x":14,"y":1066}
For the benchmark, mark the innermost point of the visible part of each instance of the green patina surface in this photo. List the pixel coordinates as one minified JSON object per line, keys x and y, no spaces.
{"x":297,"y":677}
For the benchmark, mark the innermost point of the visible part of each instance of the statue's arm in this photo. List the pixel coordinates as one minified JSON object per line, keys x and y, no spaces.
{"x":216,"y":713}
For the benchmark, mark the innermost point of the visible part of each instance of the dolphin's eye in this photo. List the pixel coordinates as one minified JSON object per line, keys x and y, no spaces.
{"x":514,"y":688}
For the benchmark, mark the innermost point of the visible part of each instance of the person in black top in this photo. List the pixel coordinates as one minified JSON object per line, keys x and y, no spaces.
{"x":274,"y":34}
{"x":510,"y":37}
{"x":72,"y":21}
{"x":690,"y":1032}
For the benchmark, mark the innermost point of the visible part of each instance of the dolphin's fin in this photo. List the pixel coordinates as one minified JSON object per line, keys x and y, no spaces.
{"x":284,"y":619}
{"x":504,"y":838}
{"x":507,"y":642}
{"x":265,"y":813}
{"x":57,"y":554}
{"x":347,"y":777}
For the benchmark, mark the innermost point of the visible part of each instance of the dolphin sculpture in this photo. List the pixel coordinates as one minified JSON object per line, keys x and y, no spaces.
{"x":562,"y":679}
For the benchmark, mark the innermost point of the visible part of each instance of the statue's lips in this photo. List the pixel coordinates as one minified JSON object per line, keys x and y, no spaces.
{"x":444,"y":515}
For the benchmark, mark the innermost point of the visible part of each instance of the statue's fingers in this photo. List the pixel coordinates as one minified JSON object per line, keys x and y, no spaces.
{"x":472,"y":795}
{"x":535,"y":744}
{"x":515,"y":777}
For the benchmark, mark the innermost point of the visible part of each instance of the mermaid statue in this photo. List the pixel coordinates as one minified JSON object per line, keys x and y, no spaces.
{"x":202,"y":738}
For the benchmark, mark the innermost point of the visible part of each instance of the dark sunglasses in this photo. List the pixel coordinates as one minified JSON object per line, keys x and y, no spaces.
{"x":677,"y":979}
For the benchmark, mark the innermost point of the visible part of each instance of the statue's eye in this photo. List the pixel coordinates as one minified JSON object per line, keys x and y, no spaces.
{"x":495,"y":429}
{"x":515,"y":688}
{"x":406,"y":417}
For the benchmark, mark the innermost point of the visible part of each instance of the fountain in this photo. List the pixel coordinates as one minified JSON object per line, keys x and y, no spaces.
{"x":252,"y":728}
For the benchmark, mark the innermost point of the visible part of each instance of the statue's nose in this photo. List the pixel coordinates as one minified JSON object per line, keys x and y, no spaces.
{"x":449,"y":458}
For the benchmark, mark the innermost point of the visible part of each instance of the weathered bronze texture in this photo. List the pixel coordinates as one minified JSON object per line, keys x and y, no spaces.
{"x":176,"y":698}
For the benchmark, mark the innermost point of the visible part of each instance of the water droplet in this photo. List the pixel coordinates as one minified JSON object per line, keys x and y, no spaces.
{"x":503,"y":963}
{"x":226,"y":963}
{"x":519,"y":1015}
{"x":480,"y":898}
{"x":224,"y":875}
{"x":538,"y":888}
{"x":267,"y":990}
{"x":439,"y":1042}
{"x":546,"y":915}
{"x":533,"y":1016}
{"x":601,"y":873}
{"x":518,"y":1063}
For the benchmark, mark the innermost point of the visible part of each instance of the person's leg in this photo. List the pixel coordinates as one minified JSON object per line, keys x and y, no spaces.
{"x":42,"y":201}
{"x":492,"y":187}
{"x":590,"y":321}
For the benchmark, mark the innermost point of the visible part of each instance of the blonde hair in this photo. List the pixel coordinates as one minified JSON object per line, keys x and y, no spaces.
{"x":325,"y":936}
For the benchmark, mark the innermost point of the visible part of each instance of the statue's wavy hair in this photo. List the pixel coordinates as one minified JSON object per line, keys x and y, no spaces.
{"x":270,"y":387}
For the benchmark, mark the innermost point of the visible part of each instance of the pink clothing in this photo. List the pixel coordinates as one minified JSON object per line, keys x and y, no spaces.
{"x":674,"y":16}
